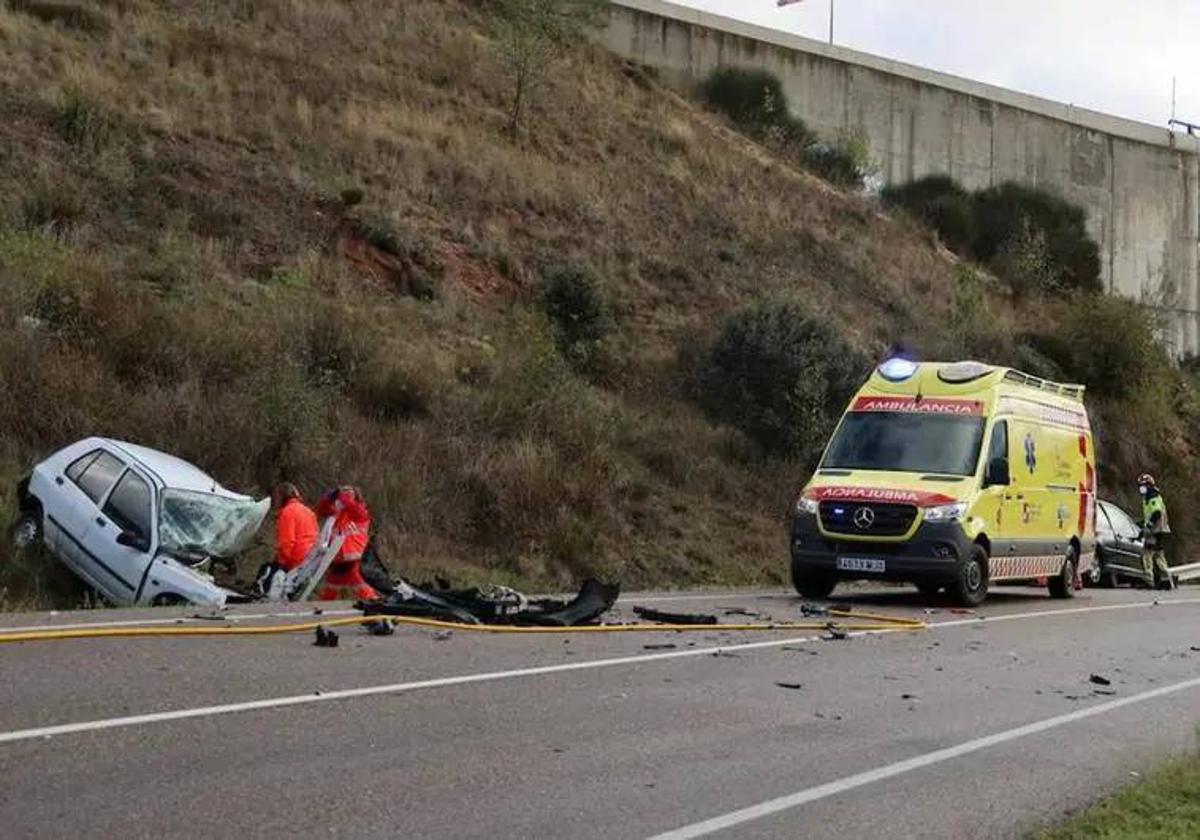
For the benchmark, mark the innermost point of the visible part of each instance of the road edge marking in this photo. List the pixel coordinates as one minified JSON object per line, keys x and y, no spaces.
{"x":846,"y":783}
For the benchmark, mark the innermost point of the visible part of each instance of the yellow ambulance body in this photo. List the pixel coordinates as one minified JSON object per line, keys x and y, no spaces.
{"x":951,"y":476}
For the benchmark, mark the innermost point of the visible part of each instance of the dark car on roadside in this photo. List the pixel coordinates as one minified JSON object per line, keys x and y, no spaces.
{"x":1119,"y":547}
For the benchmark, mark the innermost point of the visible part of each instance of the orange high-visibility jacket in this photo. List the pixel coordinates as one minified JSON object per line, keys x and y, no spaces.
{"x":295,"y":533}
{"x":351,"y":518}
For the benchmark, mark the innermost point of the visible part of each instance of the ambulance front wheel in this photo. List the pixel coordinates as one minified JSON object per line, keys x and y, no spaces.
{"x":970,"y":586}
{"x":813,"y":585}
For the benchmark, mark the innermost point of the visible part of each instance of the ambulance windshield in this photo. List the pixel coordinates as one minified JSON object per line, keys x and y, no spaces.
{"x":906,"y":442}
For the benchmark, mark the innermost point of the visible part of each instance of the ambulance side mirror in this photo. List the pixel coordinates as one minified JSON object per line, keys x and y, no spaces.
{"x":996,"y":474}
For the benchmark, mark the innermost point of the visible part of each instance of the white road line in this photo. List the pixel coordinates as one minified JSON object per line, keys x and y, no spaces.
{"x":793,"y":800}
{"x":465,"y":679}
{"x":369,"y":691}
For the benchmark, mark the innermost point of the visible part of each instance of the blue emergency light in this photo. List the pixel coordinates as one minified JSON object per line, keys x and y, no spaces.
{"x":897,"y":369}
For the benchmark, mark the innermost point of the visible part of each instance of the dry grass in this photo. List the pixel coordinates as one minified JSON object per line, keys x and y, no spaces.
{"x":169,"y":245}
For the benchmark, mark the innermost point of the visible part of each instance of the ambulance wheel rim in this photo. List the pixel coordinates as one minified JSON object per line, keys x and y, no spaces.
{"x":974,"y":575}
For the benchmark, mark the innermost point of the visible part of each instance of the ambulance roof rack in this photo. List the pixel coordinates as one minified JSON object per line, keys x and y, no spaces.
{"x":1074,"y":392}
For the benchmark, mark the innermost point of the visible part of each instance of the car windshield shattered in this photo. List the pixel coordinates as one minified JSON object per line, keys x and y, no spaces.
{"x":215,"y":525}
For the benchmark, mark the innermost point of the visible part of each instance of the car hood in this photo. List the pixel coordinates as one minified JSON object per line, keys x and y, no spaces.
{"x":888,"y":487}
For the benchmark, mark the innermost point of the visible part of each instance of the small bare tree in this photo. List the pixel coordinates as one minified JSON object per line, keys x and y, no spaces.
{"x":532,"y":36}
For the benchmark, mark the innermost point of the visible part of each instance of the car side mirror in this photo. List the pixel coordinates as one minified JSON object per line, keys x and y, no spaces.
{"x":131,"y":540}
{"x":996,"y":474}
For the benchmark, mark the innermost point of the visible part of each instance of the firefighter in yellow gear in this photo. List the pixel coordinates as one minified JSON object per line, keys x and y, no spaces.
{"x":1156,"y":529}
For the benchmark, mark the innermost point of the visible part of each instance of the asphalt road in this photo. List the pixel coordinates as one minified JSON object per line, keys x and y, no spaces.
{"x":983,"y":725}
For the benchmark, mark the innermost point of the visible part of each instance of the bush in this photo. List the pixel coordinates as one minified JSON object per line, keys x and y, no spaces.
{"x":1025,"y":262}
{"x":755,"y":101}
{"x":846,"y":162}
{"x":940,"y":202}
{"x":1003,"y":213}
{"x":781,"y":377}
{"x":1114,"y":350}
{"x":572,"y":299}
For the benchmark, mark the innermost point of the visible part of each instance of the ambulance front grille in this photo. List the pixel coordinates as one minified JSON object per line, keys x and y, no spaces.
{"x":867,"y":519}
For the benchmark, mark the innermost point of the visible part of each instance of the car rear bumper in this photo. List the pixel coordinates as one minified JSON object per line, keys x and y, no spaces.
{"x":931,"y":555}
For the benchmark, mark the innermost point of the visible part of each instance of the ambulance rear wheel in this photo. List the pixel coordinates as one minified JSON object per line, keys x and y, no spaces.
{"x":1062,"y":585}
{"x":970,"y":587}
{"x":813,"y":585}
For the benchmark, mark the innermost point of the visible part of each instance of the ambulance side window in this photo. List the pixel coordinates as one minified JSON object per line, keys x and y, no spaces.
{"x":999,"y":445}
{"x":996,"y":470}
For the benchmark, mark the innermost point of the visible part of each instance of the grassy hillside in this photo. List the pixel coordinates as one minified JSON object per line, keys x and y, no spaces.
{"x":293,"y":238}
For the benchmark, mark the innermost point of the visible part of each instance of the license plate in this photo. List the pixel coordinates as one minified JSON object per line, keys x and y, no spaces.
{"x":861,"y":564}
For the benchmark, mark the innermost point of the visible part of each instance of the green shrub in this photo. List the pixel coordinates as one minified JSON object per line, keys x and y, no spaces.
{"x":1114,"y":349}
{"x":1025,"y":262}
{"x":755,"y":101}
{"x":845,"y":162}
{"x":1002,"y":214}
{"x":940,"y":202}
{"x":572,"y":299}
{"x":780,"y":376}
{"x":82,"y":122}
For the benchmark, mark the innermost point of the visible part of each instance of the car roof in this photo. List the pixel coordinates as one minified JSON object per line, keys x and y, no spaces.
{"x":169,"y":471}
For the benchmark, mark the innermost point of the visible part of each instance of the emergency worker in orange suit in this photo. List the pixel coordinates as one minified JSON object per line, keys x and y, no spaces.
{"x":352,"y":520}
{"x":296,"y":528}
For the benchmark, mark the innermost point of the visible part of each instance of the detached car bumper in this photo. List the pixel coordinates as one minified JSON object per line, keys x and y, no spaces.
{"x":932,"y":554}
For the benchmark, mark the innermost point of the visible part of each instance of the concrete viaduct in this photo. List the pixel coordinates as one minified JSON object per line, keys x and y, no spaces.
{"x":1140,"y":184}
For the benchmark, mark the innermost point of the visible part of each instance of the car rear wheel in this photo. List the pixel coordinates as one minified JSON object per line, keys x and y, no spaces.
{"x":1062,"y":585}
{"x":970,"y":588}
{"x":813,"y":585}
{"x":25,"y":532}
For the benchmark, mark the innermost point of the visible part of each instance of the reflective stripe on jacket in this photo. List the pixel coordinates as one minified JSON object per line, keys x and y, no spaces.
{"x":351,"y":520}
{"x":1150,"y":506}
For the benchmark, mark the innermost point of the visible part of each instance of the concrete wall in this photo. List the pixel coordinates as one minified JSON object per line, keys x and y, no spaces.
{"x":1140,"y":184}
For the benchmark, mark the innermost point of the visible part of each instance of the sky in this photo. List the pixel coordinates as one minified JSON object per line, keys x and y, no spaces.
{"x":1115,"y":56}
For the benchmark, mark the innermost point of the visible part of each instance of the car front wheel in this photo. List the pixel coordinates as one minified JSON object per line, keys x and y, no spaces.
{"x":813,"y":585}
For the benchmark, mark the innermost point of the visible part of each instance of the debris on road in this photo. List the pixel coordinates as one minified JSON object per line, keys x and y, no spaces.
{"x":326,"y":638}
{"x":835,"y":632}
{"x":1099,"y":680}
{"x":497,"y":605}
{"x":381,"y":628}
{"x":1105,"y":691}
{"x":443,"y":635}
{"x":661,"y":617}
{"x":790,"y":685}
{"x":659,"y":647}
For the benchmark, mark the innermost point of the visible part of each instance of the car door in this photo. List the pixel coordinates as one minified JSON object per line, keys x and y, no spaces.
{"x":123,"y":535}
{"x":1002,"y":507}
{"x":1128,"y":543}
{"x":84,"y":485}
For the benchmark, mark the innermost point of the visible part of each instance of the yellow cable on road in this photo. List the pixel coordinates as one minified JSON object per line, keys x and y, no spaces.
{"x":879,"y":623}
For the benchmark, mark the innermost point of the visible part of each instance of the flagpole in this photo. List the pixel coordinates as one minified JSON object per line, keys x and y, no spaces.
{"x":831,"y":22}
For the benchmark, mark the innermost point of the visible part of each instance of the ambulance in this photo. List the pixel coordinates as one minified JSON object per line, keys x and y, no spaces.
{"x":951,"y":476}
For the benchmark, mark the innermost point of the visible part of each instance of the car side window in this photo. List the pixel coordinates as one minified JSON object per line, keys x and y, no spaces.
{"x":97,"y":477}
{"x":1104,"y":528}
{"x":80,"y":464}
{"x":129,"y":505}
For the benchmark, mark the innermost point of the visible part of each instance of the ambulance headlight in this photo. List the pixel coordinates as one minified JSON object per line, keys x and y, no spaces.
{"x":946,"y":513}
{"x":807,"y":505}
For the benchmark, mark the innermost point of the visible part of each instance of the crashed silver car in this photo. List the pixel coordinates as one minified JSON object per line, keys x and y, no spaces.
{"x":139,"y":526}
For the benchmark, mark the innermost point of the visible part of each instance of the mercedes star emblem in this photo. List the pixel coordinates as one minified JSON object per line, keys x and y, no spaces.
{"x":864,"y":518}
